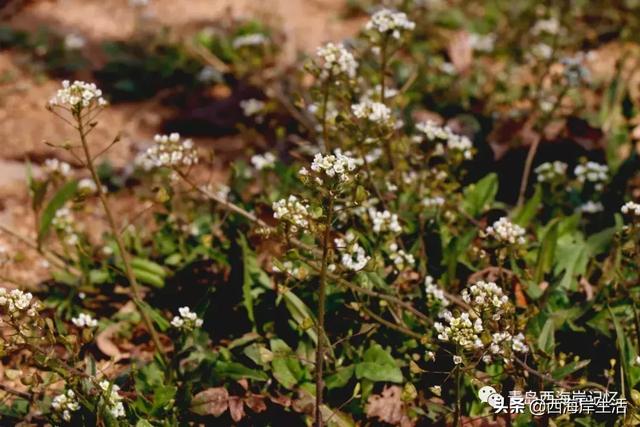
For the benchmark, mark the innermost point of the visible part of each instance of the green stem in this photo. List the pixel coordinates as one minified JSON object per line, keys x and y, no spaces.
{"x":137,"y":298}
{"x":322,"y":295}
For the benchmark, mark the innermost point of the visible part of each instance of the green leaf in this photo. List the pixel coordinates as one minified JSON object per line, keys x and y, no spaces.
{"x":143,"y":423}
{"x":546,"y":340}
{"x":286,"y":367}
{"x":569,"y":369}
{"x":66,"y":193}
{"x":627,"y":353}
{"x":340,"y":378}
{"x":572,"y":255}
{"x":237,"y":371}
{"x":525,"y":214}
{"x":480,"y":195}
{"x":546,"y":254}
{"x":155,"y":315}
{"x":251,"y":274}
{"x":378,"y":365}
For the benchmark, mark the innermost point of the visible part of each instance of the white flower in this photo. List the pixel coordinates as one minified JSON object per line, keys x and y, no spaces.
{"x":78,"y":95}
{"x":457,"y":360}
{"x":251,"y":107}
{"x":292,"y":211}
{"x":17,"y":301}
{"x":384,"y":221}
{"x":389,"y":21}
{"x":353,"y":256}
{"x":84,"y":321}
{"x":443,"y":134}
{"x":593,"y":172}
{"x":434,"y":293}
{"x":631,"y":208}
{"x":74,"y":42}
{"x":551,"y":171}
{"x":336,"y":61}
{"x":187,"y":320}
{"x":53,"y":167}
{"x":486,"y":296}
{"x":504,"y":231}
{"x":336,"y":165}
{"x":112,"y":401}
{"x":255,"y":39}
{"x":87,"y":186}
{"x":168,"y":151}
{"x":433,"y":202}
{"x":550,"y":26}
{"x":591,"y":207}
{"x":482,"y":42}
{"x":263,"y":161}
{"x":460,"y":330}
{"x":375,"y":112}
{"x":400,"y":258}
{"x":65,"y":404}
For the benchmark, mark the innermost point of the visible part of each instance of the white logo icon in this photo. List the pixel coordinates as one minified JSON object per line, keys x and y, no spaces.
{"x":488,"y":394}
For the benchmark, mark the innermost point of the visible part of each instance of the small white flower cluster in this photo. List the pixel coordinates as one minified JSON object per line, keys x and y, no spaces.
{"x":353,"y":256}
{"x":78,"y":95}
{"x":455,"y":142}
{"x":251,"y":107}
{"x":482,"y":42}
{"x":263,"y":161}
{"x":433,"y":202}
{"x":113,"y":401}
{"x":293,"y":211}
{"x":631,"y":208}
{"x":17,"y":302}
{"x":591,"y":207}
{"x":287,"y":267}
{"x":503,"y":344}
{"x":84,"y":320}
{"x":400,"y":258}
{"x":384,"y":221}
{"x":375,"y":112}
{"x":54,"y":167}
{"x":65,"y":404}
{"x":88,"y":186}
{"x":593,"y":172}
{"x":337,"y":61}
{"x":434,"y":293}
{"x":74,"y":42}
{"x":504,"y":231}
{"x":188,"y":320}
{"x":550,"y":26}
{"x":63,"y":221}
{"x":332,"y":165}
{"x":486,"y":296}
{"x":168,"y":151}
{"x":254,"y":39}
{"x":460,"y":330}
{"x":551,"y":171}
{"x":390,"y":21}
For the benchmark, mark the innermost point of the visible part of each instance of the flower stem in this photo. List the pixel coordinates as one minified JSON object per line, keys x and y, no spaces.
{"x":137,"y":298}
{"x":320,"y":348}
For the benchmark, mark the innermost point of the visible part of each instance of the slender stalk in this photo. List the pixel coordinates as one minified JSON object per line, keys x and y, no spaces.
{"x":137,"y":298}
{"x":322,"y":296}
{"x":457,"y":413}
{"x":325,"y":128}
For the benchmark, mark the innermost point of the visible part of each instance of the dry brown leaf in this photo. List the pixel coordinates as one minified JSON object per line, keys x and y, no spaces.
{"x":255,"y":403}
{"x":389,"y":408}
{"x":460,"y":51}
{"x":236,"y":408}
{"x":521,"y":299}
{"x":212,"y":401}
{"x":106,"y":345}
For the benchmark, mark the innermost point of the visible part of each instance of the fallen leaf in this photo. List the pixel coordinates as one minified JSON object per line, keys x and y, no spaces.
{"x":236,"y":408}
{"x":255,"y":403}
{"x":212,"y":401}
{"x":106,"y":345}
{"x":389,"y":408}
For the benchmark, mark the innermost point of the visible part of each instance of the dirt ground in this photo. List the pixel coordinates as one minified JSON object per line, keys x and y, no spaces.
{"x":25,"y":125}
